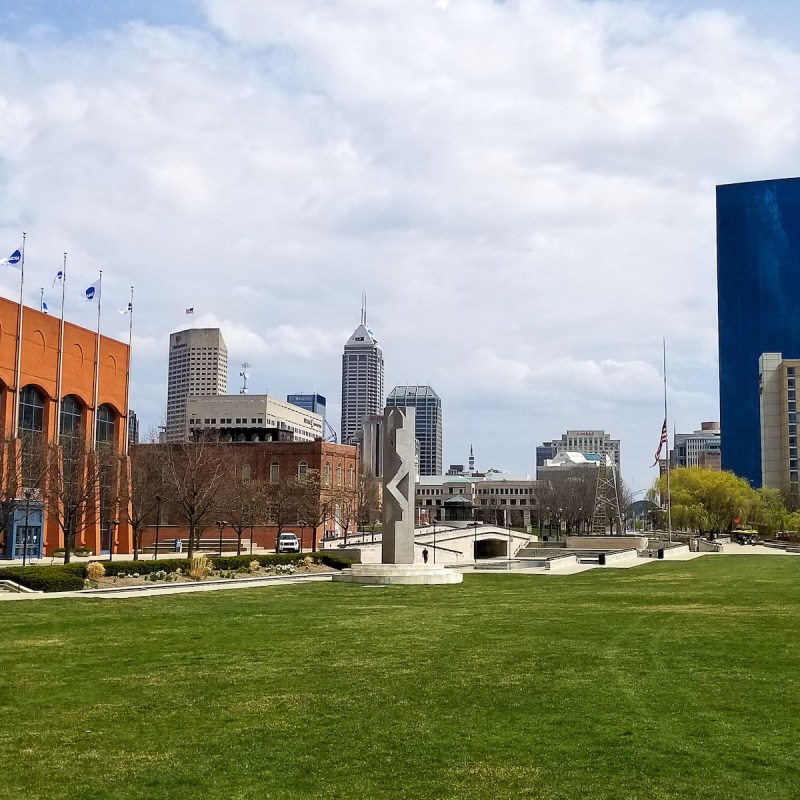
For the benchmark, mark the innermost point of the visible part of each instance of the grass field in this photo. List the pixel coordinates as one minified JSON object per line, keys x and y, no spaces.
{"x":672,"y":680}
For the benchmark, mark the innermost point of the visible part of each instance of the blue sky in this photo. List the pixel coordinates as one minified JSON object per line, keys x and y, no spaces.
{"x":524,"y":190}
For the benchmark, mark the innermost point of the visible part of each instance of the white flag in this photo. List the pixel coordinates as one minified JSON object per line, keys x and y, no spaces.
{"x":190,"y":310}
{"x":92,"y":292}
{"x":127,"y":310}
{"x":14,"y":260}
{"x":59,"y":277}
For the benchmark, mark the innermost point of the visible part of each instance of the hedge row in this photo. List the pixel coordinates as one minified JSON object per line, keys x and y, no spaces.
{"x":69,"y":577}
{"x":226,"y":563}
{"x":56,"y":578}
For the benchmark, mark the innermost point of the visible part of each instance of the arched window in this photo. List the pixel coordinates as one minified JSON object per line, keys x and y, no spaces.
{"x":352,"y":476}
{"x":105,"y":424}
{"x":302,"y":468}
{"x":245,"y":473}
{"x":31,"y":425}
{"x":339,"y":475}
{"x":31,"y":410}
{"x":274,"y":472}
{"x":327,"y":474}
{"x":71,"y":418}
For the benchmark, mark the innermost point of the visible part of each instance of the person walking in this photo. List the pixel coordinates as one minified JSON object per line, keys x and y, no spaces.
{"x":425,"y":555}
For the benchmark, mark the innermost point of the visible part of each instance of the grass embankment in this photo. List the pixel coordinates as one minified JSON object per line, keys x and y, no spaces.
{"x":672,"y":680}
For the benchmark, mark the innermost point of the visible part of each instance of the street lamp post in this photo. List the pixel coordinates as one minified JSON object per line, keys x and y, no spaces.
{"x":474,"y":539}
{"x":158,"y":522}
{"x":221,"y":523}
{"x":27,"y":494}
{"x":112,"y":528}
{"x":434,"y":539}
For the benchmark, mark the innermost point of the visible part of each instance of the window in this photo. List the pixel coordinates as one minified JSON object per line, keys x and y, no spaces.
{"x":105,"y":425}
{"x":31,"y":410}
{"x":339,"y":475}
{"x":352,"y":476}
{"x":274,"y":472}
{"x":71,"y":418}
{"x":302,"y":468}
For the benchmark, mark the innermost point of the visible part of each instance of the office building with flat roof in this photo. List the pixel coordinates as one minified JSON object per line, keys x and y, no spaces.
{"x":427,"y":425}
{"x":758,"y":286}
{"x":198,"y":366}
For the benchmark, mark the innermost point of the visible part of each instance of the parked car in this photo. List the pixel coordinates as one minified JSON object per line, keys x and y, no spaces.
{"x":288,"y":543}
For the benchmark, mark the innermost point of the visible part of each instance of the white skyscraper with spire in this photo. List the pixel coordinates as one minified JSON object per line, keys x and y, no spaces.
{"x":362,"y":379}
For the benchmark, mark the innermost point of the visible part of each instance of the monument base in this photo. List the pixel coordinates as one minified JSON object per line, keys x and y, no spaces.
{"x":388,"y":574}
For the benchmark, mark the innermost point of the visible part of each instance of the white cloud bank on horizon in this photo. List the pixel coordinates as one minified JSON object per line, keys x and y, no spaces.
{"x":525,"y":190}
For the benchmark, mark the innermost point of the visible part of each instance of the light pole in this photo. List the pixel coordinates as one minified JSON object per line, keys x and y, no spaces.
{"x":27,"y":494}
{"x":434,"y":539}
{"x":509,"y":540}
{"x":221,"y":523}
{"x":158,"y":522}
{"x":112,"y":527}
{"x":474,"y":539}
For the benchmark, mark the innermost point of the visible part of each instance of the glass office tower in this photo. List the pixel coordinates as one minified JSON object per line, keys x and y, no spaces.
{"x":758,"y":287}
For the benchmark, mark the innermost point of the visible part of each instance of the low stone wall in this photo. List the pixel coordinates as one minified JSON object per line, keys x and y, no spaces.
{"x":606,"y":542}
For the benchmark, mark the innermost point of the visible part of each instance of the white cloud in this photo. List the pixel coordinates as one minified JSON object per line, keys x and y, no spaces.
{"x":524,"y":189}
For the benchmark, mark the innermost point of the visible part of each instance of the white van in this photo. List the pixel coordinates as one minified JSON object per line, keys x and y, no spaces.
{"x":288,"y":543}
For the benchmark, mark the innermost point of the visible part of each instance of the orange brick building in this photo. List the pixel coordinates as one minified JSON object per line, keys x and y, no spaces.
{"x":35,"y":406}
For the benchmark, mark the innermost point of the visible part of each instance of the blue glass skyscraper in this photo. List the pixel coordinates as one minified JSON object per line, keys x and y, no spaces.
{"x":758,"y":287}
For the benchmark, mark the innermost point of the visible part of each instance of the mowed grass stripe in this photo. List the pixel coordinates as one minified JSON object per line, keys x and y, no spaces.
{"x":667,"y":681}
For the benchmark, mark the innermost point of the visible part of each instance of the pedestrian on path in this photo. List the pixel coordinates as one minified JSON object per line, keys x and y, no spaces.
{"x":425,"y":555}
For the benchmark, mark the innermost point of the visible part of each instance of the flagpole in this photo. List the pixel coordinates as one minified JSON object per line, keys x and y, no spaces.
{"x":669,"y":496}
{"x":128,"y":374}
{"x":97,"y":359}
{"x":19,"y":339}
{"x":61,"y":350}
{"x":41,"y":299}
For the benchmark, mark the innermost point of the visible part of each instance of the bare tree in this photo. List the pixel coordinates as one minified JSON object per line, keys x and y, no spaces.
{"x":71,"y":486}
{"x":344,"y":505}
{"x":195,"y":473}
{"x":367,"y":500}
{"x":241,"y":498}
{"x":314,"y":506}
{"x":282,"y":503}
{"x":141,"y":487}
{"x":569,"y":496}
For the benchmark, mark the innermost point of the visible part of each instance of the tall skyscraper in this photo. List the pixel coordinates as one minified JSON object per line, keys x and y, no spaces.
{"x":428,"y":424}
{"x":758,"y":286}
{"x":362,"y":380}
{"x":198,"y":366}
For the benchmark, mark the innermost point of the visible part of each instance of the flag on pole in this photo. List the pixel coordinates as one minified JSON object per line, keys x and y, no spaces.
{"x":661,"y":442}
{"x":59,"y":277}
{"x":14,"y":260}
{"x":127,"y":310}
{"x":92,"y":292}
{"x":190,"y":310}
{"x":44,"y":307}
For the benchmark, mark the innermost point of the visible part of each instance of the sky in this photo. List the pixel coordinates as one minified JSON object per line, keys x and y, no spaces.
{"x":523,"y":189}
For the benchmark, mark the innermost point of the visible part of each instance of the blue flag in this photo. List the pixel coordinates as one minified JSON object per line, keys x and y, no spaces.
{"x":59,"y":277}
{"x":44,"y":307}
{"x":14,"y":260}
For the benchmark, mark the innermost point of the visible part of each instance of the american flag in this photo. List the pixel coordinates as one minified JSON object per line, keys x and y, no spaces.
{"x":662,"y":441}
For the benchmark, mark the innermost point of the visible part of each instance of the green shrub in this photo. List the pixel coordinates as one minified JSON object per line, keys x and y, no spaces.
{"x":265,"y":559}
{"x":334,"y":561}
{"x":55,"y":578}
{"x":145,"y":567}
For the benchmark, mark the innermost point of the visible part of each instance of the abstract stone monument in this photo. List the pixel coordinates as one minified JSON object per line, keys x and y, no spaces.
{"x":397,"y":545}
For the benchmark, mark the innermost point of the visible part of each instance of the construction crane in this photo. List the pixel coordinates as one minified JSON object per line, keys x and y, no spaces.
{"x":606,"y":499}
{"x":331,"y":437}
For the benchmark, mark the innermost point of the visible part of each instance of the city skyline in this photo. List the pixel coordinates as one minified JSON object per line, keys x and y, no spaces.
{"x":528,"y":222}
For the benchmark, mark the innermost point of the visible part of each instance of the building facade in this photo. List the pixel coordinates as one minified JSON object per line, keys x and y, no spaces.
{"x":252,"y":418}
{"x":778,"y":424}
{"x":37,"y":416}
{"x":587,"y":442}
{"x":315,"y":403}
{"x":698,"y":448}
{"x":758,"y":283}
{"x":198,"y":366}
{"x":427,"y":425}
{"x":362,"y":380}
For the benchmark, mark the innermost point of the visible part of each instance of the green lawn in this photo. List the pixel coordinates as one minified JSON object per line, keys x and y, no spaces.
{"x":672,"y":680}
